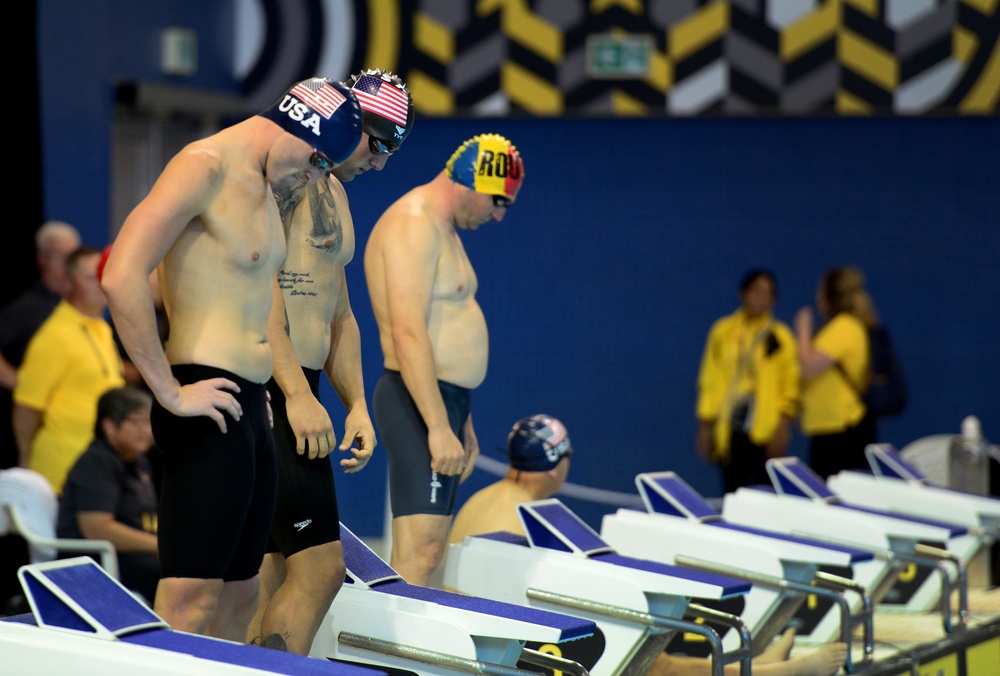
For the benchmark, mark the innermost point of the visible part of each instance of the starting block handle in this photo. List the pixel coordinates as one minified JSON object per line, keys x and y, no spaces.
{"x":720,"y":659}
{"x":937,"y":558}
{"x":866,"y":616}
{"x":431,"y":657}
{"x":540,"y":659}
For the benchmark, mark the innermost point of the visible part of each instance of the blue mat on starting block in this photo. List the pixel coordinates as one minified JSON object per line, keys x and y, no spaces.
{"x":78,"y":595}
{"x":549,"y":524}
{"x":365,"y":566}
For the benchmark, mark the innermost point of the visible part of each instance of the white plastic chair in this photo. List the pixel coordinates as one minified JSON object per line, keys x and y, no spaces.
{"x":29,"y":507}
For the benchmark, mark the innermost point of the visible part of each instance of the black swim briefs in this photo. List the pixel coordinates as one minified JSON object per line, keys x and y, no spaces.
{"x":218,"y":492}
{"x":306,"y":514}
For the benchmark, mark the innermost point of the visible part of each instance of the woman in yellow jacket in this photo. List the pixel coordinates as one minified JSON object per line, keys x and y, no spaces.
{"x":835,"y":369}
{"x":748,"y":386}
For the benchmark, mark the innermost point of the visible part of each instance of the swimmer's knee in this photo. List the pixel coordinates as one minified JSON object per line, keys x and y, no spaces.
{"x":320,"y":568}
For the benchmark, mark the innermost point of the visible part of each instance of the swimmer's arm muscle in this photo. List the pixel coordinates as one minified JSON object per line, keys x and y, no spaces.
{"x":343,"y":368}
{"x":410,"y":254}
{"x":183,"y":191}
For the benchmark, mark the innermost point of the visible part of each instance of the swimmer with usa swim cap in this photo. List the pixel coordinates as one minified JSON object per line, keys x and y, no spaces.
{"x":488,"y":164}
{"x":323,"y":113}
{"x":387,"y":109}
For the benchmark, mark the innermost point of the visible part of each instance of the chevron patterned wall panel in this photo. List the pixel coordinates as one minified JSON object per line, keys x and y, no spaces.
{"x":691,"y":57}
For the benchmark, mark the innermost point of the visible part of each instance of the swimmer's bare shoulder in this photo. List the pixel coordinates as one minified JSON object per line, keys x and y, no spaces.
{"x":190,"y":182}
{"x":407,"y":214}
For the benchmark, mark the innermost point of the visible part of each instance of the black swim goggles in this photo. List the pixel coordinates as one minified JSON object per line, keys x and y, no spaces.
{"x":379,"y":146}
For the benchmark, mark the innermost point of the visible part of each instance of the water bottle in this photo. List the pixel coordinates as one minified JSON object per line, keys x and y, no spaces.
{"x":968,"y":459}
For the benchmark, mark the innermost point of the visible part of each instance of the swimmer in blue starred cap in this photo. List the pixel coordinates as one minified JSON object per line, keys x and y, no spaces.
{"x":538,"y":443}
{"x":539,"y":450}
{"x":323,"y":113}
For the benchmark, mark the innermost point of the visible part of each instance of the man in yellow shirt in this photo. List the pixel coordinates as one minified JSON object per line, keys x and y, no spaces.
{"x":748,"y":386}
{"x":70,"y":362}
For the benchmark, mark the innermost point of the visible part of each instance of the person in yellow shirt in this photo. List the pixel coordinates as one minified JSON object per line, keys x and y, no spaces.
{"x":835,"y":371}
{"x":748,"y":386}
{"x":70,"y":362}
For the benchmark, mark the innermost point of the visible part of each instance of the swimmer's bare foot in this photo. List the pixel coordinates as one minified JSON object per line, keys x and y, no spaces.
{"x":779,"y":649}
{"x":824,"y":661}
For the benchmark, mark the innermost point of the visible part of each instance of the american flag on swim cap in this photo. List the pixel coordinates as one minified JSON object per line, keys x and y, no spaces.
{"x":320,"y":96}
{"x":382,"y":98}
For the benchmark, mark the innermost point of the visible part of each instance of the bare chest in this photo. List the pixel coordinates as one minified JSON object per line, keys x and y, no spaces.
{"x":455,"y":277}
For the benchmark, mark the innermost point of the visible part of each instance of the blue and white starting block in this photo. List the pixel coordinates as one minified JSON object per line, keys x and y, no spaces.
{"x":379,"y":619}
{"x":896,"y":486}
{"x":681,"y":527}
{"x":563,"y":564}
{"x":801,"y":504}
{"x":84,"y":621}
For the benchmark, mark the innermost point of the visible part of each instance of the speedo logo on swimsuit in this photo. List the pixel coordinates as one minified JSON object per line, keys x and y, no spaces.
{"x":302,"y":524}
{"x":435,"y":485}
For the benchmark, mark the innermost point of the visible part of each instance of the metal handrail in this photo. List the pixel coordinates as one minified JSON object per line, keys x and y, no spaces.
{"x":553,"y":662}
{"x":384,"y":647}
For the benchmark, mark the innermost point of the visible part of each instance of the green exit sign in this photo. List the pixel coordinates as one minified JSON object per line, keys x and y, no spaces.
{"x":619,"y":56}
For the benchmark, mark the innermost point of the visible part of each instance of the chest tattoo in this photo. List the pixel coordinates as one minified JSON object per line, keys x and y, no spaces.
{"x":327,"y":232}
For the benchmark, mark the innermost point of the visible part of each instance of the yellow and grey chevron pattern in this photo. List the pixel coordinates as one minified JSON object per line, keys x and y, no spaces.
{"x":695,"y":57}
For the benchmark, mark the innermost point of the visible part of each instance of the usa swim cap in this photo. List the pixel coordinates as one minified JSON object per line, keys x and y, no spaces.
{"x":323,"y":113}
{"x":386,"y":105}
{"x":538,"y":443}
{"x":489,"y":164}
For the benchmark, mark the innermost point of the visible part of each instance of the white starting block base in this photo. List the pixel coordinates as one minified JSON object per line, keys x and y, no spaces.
{"x":379,"y":619}
{"x":802,"y":505}
{"x":681,"y":527}
{"x":562,"y":564}
{"x":897,"y":486}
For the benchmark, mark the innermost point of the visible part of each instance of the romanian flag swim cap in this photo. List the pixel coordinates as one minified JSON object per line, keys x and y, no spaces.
{"x":323,"y":113}
{"x":488,"y":164}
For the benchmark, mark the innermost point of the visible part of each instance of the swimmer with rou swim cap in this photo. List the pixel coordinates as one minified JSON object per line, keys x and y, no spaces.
{"x":488,"y":164}
{"x":314,"y":331}
{"x":434,"y":340}
{"x":212,"y":228}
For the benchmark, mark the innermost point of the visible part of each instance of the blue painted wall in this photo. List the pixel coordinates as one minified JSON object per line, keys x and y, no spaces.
{"x":84,"y":50}
{"x":627,"y":241}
